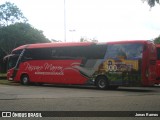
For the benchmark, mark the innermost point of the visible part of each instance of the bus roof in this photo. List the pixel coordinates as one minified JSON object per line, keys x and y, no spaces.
{"x":67,"y":44}
{"x":128,"y":41}
{"x":58,"y":44}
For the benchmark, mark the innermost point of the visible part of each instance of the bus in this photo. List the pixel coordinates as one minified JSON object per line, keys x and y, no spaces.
{"x":158,"y":64}
{"x":105,"y":65}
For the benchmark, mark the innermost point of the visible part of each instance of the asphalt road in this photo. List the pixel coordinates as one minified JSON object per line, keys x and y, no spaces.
{"x":78,"y":98}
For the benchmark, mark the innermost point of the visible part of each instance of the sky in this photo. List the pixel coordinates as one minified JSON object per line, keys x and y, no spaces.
{"x":104,"y":20}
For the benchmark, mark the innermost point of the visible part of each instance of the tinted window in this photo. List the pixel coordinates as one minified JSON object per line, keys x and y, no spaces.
{"x":97,"y":51}
{"x":12,"y":61}
{"x":158,"y":53}
{"x":90,"y":52}
{"x":17,"y":52}
{"x":74,"y":52}
{"x":37,"y":54}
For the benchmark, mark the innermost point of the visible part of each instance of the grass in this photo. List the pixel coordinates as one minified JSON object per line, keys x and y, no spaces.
{"x":6,"y":82}
{"x":3,"y":74}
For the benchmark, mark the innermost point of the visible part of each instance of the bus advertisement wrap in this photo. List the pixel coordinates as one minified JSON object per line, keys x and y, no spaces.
{"x":106,"y":65}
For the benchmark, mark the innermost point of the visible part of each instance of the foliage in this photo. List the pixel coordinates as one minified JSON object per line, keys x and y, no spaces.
{"x":2,"y":68}
{"x":157,"y":40}
{"x":151,"y":3}
{"x":18,"y":34}
{"x":10,"y":14}
{"x":85,"y":39}
{"x":14,"y":31}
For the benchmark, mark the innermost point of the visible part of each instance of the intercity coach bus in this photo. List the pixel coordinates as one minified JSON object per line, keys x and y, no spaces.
{"x":105,"y":65}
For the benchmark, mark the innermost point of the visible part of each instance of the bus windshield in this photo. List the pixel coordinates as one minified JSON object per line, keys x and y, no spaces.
{"x":14,"y":58}
{"x":12,"y":61}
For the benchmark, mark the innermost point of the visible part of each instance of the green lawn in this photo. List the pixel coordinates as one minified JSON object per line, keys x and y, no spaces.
{"x":3,"y":74}
{"x":4,"y":81}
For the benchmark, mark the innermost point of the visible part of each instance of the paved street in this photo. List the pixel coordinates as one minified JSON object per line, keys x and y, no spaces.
{"x":77,"y":98}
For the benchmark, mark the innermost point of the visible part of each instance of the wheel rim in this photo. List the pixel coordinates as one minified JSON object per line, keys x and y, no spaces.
{"x":102,"y":83}
{"x":25,"y":80}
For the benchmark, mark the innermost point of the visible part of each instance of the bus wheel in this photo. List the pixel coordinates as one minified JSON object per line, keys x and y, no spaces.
{"x":102,"y":82}
{"x":25,"y":80}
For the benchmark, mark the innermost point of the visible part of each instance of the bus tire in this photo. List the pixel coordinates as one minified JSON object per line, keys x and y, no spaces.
{"x":102,"y":82}
{"x":25,"y":80}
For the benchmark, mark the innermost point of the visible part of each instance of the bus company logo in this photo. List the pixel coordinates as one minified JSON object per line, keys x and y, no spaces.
{"x":46,"y":69}
{"x":30,"y":67}
{"x":6,"y":114}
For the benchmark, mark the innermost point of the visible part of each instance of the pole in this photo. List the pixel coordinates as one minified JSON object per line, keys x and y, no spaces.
{"x":64,"y":21}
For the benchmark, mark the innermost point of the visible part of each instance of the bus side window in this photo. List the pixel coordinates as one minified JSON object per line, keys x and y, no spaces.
{"x":95,"y":51}
{"x":53,"y":52}
{"x":79,"y":52}
{"x":27,"y":55}
{"x":58,"y":53}
{"x":158,"y":53}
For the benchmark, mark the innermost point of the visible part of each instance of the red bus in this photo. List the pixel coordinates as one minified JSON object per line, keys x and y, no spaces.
{"x":105,"y":65}
{"x":158,"y":64}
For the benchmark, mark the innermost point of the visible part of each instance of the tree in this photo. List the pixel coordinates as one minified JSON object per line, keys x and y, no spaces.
{"x":85,"y":39}
{"x":18,"y":34}
{"x":82,"y":39}
{"x":14,"y":31}
{"x":151,"y":3}
{"x":10,"y":14}
{"x":2,"y":64}
{"x":157,"y":40}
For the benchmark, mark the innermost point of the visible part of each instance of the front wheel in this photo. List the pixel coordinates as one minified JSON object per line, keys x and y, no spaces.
{"x":102,"y":82}
{"x":25,"y":80}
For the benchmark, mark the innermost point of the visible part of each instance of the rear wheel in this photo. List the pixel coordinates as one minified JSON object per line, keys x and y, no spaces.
{"x":25,"y":80}
{"x":102,"y":82}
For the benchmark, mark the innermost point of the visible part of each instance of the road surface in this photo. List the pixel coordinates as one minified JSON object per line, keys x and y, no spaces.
{"x":79,"y":98}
